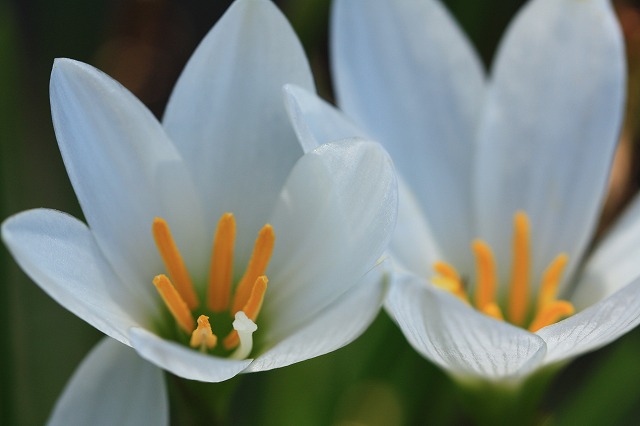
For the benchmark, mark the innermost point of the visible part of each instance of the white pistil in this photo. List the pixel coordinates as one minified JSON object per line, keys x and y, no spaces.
{"x":245,"y":328}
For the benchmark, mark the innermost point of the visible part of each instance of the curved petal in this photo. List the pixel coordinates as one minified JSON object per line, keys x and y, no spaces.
{"x":182,"y":360}
{"x":125,"y":171}
{"x":614,"y":262}
{"x":227,"y":117}
{"x":595,"y":326}
{"x":316,"y":121}
{"x":59,"y":253}
{"x":113,"y":385}
{"x":550,"y":128}
{"x":458,"y":338}
{"x":404,"y":70}
{"x":333,"y":220}
{"x":330,"y":330}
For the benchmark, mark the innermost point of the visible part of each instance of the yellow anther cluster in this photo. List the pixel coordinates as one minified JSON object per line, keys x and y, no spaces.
{"x":179,"y":294}
{"x":548,"y":308}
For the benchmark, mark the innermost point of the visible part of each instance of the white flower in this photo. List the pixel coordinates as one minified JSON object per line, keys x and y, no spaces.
{"x":517,"y":164}
{"x":153,"y":194}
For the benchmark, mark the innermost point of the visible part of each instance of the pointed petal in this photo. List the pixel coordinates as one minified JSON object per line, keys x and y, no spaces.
{"x":227,"y":117}
{"x":124,"y":170}
{"x":614,"y":263}
{"x":595,"y":326}
{"x":182,"y":360}
{"x":405,"y":71}
{"x":550,"y":127}
{"x":458,"y":338}
{"x":113,"y":385}
{"x":59,"y":253}
{"x":331,"y":329}
{"x":316,"y":121}
{"x":334,"y":218}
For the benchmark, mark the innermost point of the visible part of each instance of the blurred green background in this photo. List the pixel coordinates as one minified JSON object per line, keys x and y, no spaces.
{"x":378,"y":380}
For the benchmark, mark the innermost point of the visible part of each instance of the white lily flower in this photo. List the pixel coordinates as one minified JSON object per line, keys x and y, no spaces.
{"x":502,"y":182}
{"x":206,"y":206}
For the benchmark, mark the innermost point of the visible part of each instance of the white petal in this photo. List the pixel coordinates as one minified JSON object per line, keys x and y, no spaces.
{"x":113,"y":385}
{"x":60,"y":254}
{"x":331,"y":329}
{"x":458,"y":338}
{"x":595,"y":326}
{"x":615,"y":262}
{"x":413,"y":243}
{"x":182,"y":360}
{"x":227,"y":117}
{"x":334,"y":218}
{"x":125,"y":171}
{"x":316,"y":121}
{"x":405,"y":71}
{"x":550,"y":127}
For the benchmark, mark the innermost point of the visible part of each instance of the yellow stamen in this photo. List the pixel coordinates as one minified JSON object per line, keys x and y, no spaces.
{"x":519,"y":289}
{"x":518,"y":310}
{"x":173,"y":262}
{"x":221,"y":266}
{"x":551,"y":280}
{"x":446,"y":283}
{"x":551,"y":314}
{"x":493,"y":310}
{"x":176,"y":304}
{"x":486,"y":275}
{"x":451,"y":285}
{"x":446,"y":270}
{"x":257,"y":266}
{"x":251,"y":309}
{"x":203,"y":337}
{"x":449,"y":279}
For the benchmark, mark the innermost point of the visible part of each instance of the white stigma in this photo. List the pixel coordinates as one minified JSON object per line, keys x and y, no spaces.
{"x":245,"y":328}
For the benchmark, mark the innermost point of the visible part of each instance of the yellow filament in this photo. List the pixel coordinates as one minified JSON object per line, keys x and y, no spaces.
{"x":451,"y":285}
{"x":203,"y":337}
{"x":486,"y":275}
{"x":551,"y":314}
{"x":173,"y":262}
{"x":446,"y":270}
{"x":519,"y":289}
{"x":251,"y":309}
{"x":548,"y":309}
{"x":221,"y":266}
{"x":176,"y":304}
{"x":262,"y":251}
{"x":551,"y":280}
{"x":493,"y":310}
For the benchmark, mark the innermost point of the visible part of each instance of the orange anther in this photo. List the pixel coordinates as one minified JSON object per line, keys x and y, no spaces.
{"x":551,"y":314}
{"x":203,"y":337}
{"x":176,"y":304}
{"x":262,"y":251}
{"x":486,"y":285}
{"x":173,"y":262}
{"x":519,"y":289}
{"x":221,"y":266}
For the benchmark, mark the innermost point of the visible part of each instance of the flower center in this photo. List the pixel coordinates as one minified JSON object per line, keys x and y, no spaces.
{"x":180,"y":297}
{"x":519,"y":309}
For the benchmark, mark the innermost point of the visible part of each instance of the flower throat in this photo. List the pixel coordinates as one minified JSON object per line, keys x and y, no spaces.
{"x":179,"y":295}
{"x":519,"y":308}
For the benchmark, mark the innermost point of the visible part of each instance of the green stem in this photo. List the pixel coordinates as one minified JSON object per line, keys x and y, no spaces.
{"x":489,"y":403}
{"x":194,"y":403}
